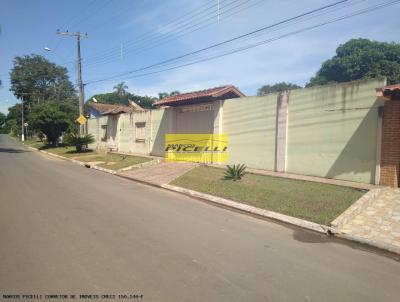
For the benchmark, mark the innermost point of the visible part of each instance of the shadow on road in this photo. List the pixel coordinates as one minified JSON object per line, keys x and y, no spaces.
{"x":310,"y":237}
{"x":12,"y":150}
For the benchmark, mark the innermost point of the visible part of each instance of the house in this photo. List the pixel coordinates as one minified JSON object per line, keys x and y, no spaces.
{"x":109,"y":115}
{"x":347,"y":131}
{"x":202,"y":96}
{"x":198,"y":111}
{"x":98,"y":109}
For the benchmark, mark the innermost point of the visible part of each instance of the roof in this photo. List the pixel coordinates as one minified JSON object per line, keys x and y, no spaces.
{"x":208,"y":95}
{"x":390,"y":92}
{"x":107,"y":109}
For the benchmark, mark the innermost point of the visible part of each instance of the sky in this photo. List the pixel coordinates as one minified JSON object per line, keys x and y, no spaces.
{"x":127,"y":35}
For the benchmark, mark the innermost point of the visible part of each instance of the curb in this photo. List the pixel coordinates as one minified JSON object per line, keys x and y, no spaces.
{"x":375,"y":244}
{"x":87,"y":165}
{"x":253,"y":210}
{"x":355,"y":209}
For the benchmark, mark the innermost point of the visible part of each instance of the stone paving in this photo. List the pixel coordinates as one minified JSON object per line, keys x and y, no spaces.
{"x":159,"y":174}
{"x":379,"y":221}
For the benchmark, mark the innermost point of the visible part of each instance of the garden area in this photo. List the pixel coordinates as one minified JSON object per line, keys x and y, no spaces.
{"x":106,"y":160}
{"x":312,"y":201}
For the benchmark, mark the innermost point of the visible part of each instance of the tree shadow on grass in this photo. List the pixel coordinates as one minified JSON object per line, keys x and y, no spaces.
{"x":89,"y":151}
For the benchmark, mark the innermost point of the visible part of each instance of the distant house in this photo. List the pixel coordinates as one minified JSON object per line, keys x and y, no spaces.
{"x":198,"y":111}
{"x":202,"y":96}
{"x":99,"y":109}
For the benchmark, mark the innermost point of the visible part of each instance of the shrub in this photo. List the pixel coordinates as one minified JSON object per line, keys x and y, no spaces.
{"x":79,"y":141}
{"x":235,"y":172}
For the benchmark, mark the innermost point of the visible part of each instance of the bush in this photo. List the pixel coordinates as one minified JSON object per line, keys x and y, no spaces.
{"x":79,"y":141}
{"x":235,"y":172}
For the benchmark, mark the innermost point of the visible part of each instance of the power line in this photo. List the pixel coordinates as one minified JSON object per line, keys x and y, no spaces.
{"x":153,"y":37}
{"x":359,"y":12}
{"x":189,"y":15}
{"x":240,"y":36}
{"x":172,"y":35}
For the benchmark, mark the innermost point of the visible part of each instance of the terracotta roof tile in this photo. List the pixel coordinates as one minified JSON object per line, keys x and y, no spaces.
{"x":105,"y":109}
{"x":229,"y":91}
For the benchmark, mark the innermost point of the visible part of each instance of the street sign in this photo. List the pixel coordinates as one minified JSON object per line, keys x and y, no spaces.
{"x":81,"y":119}
{"x":26,"y":124}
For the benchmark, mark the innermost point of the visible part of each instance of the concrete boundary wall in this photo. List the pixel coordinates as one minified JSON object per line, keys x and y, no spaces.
{"x":330,"y":131}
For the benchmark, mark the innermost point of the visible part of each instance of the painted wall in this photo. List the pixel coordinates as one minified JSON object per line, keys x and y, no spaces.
{"x":332,"y":131}
{"x":162,"y":122}
{"x":251,"y":124}
{"x":128,"y":141}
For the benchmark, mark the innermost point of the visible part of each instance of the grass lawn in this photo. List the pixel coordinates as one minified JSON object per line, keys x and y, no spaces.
{"x":320,"y":203}
{"x":66,"y":151}
{"x":114,"y":161}
{"x":111,"y":161}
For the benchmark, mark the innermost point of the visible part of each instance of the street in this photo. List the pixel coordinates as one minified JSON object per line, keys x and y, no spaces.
{"x":66,"y":229}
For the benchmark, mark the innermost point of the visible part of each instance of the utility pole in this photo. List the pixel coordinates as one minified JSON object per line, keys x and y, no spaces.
{"x":22,"y":120}
{"x":78,"y":35}
{"x":21,"y":96}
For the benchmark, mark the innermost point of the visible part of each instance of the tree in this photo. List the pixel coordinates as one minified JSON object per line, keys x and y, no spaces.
{"x":13,"y":119}
{"x":121,"y":88}
{"x":163,"y":95}
{"x":111,"y":98}
{"x":35,"y":79}
{"x":114,"y":98}
{"x":2,"y":118}
{"x":53,"y":118}
{"x":2,"y":121}
{"x":278,"y":87}
{"x":143,"y":101}
{"x":360,"y":59}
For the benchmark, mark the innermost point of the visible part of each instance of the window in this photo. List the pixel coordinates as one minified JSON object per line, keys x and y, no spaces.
{"x":103,"y":133}
{"x":140,"y":131}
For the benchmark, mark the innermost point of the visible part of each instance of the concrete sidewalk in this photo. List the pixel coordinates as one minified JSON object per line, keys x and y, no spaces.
{"x":159,"y":174}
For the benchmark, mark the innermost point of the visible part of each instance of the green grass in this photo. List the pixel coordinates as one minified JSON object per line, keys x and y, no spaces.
{"x":320,"y":203}
{"x":119,"y":161}
{"x":34,"y":143}
{"x":66,"y":151}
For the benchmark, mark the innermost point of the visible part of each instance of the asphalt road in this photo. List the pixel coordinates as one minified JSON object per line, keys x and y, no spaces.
{"x":65,"y":229}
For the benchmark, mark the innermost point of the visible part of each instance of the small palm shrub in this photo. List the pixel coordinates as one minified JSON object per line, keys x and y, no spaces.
{"x":235,"y":172}
{"x":79,"y":141}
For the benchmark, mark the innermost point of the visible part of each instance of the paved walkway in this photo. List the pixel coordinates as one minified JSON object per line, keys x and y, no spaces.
{"x":159,"y":174}
{"x":379,"y":221}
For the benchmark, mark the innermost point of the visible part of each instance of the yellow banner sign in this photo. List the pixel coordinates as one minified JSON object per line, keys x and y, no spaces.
{"x":201,"y":148}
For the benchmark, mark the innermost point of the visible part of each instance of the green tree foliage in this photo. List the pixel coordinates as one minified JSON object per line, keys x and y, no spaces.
{"x":50,"y":103}
{"x":53,"y":118}
{"x":111,"y":98}
{"x":35,"y":79}
{"x":2,"y":121}
{"x":13,"y":119}
{"x":115,"y":98}
{"x":278,"y":87}
{"x":79,"y":141}
{"x":360,"y":59}
{"x":143,"y":101}
{"x":163,"y":95}
{"x":121,"y":88}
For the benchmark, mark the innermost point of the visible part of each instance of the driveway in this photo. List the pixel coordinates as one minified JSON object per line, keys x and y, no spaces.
{"x":65,"y":229}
